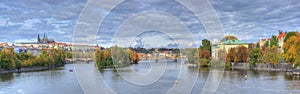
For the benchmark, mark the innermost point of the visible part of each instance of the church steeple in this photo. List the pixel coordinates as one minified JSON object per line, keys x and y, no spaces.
{"x":38,"y":39}
{"x":44,"y":39}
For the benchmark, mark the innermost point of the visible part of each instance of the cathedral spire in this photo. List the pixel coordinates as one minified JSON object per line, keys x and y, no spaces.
{"x":44,"y":39}
{"x":39,"y":39}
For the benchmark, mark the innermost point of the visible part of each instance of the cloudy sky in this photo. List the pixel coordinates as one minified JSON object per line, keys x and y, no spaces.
{"x":249,"y":20}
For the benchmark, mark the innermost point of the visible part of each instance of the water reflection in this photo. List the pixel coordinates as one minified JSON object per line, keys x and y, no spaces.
{"x":6,"y":77}
{"x":54,"y":81}
{"x":61,"y":81}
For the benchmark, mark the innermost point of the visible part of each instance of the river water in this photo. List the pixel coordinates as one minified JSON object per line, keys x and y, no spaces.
{"x":147,"y":77}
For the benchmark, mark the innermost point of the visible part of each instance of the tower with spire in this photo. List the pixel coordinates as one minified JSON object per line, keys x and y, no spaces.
{"x":38,"y":39}
{"x":45,"y":40}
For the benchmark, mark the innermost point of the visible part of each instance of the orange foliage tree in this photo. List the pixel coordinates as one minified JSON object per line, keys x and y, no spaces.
{"x":135,"y":58}
{"x":242,"y":54}
{"x":292,"y":50}
{"x":231,"y":55}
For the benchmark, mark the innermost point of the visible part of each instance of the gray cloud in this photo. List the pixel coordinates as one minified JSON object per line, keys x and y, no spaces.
{"x":27,"y":18}
{"x":247,"y":19}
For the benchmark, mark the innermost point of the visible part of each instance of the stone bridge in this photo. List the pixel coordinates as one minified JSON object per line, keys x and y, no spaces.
{"x":74,"y":60}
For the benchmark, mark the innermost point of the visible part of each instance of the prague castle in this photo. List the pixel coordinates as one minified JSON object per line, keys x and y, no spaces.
{"x":45,"y":40}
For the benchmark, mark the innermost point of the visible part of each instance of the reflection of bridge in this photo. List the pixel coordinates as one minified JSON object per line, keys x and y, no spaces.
{"x":74,"y":60}
{"x":161,"y":57}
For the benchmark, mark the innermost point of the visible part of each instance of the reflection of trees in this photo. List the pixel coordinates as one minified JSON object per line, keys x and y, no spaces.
{"x":292,"y":82}
{"x":6,"y":77}
{"x":192,"y":56}
{"x":255,"y":73}
{"x":291,"y":77}
{"x":203,"y":71}
{"x":221,"y":55}
{"x":273,"y":73}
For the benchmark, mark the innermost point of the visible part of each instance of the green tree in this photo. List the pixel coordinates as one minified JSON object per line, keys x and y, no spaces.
{"x":18,"y":64}
{"x":267,"y":44}
{"x":254,"y":56}
{"x":7,"y":59}
{"x":206,"y":45}
{"x":274,"y":41}
{"x":23,"y":56}
{"x":257,"y":45}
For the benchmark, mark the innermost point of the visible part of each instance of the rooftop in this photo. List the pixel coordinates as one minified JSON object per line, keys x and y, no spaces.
{"x":233,"y":42}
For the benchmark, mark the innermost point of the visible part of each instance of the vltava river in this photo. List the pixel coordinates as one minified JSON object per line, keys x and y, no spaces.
{"x":166,"y":76}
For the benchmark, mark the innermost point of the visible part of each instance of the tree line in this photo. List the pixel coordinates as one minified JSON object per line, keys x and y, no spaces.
{"x":115,"y":57}
{"x":200,"y":56}
{"x":11,"y":60}
{"x":269,"y":52}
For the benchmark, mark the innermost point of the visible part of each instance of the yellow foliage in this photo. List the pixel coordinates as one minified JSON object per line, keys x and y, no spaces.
{"x":291,"y":48}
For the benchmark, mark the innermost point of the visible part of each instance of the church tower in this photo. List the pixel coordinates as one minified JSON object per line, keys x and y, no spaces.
{"x":38,"y":39}
{"x":44,"y":39}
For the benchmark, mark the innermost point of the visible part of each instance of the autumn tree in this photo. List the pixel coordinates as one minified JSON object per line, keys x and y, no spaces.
{"x":289,"y":34}
{"x":98,"y":56}
{"x":205,"y":57}
{"x":135,"y":58}
{"x":43,"y":59}
{"x":119,"y":56}
{"x":106,"y":54}
{"x":7,"y":59}
{"x":231,"y":55}
{"x":272,"y":56}
{"x":291,"y":49}
{"x":115,"y":56}
{"x":275,"y":56}
{"x":242,"y":53}
{"x":27,"y":63}
{"x":204,"y":52}
{"x":130,"y":54}
{"x":56,"y":56}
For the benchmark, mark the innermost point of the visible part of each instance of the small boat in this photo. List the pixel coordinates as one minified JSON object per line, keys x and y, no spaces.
{"x":70,"y":70}
{"x":176,"y":81}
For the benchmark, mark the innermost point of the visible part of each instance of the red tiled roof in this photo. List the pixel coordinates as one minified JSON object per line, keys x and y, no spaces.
{"x":281,"y":35}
